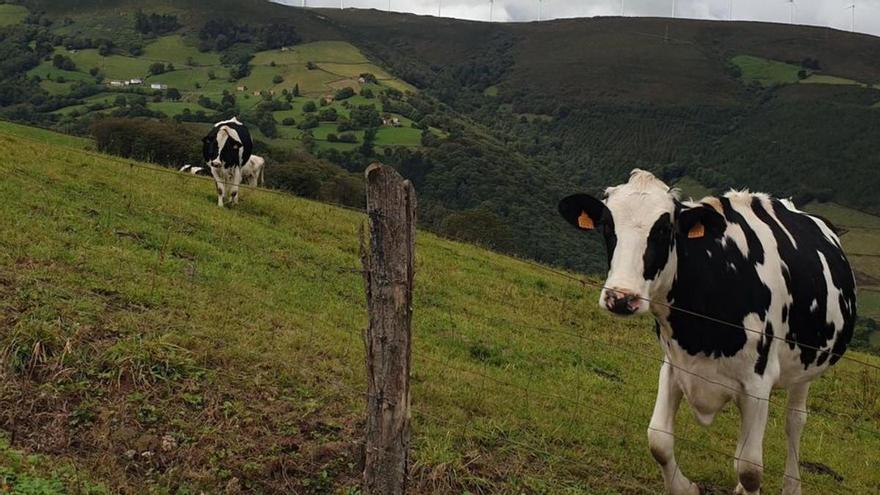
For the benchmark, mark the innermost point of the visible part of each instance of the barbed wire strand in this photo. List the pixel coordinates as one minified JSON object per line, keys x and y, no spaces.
{"x":534,"y":264}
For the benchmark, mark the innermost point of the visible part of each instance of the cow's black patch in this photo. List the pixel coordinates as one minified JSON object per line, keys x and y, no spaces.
{"x":808,"y":328}
{"x":659,"y":244}
{"x":715,"y":279}
{"x":571,"y":208}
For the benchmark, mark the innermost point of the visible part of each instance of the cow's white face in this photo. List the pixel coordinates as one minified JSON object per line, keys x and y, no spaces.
{"x":638,"y":221}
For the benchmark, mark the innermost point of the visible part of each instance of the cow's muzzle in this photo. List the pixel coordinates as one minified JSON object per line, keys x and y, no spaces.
{"x":622,"y":302}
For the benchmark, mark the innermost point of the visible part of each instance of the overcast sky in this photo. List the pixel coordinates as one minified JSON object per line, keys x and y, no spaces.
{"x":833,"y":13}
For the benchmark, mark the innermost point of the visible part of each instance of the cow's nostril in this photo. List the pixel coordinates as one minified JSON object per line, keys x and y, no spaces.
{"x":621,"y":302}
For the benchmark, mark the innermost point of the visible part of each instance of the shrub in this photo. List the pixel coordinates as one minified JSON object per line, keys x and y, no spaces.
{"x":332,"y":138}
{"x":344,"y":94}
{"x":310,"y":122}
{"x":328,"y":115}
{"x":309,"y":107}
{"x":288,"y":121}
{"x":161,"y":142}
{"x":278,"y":79}
{"x":348,"y":137}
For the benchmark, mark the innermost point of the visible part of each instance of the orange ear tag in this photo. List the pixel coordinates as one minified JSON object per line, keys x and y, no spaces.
{"x":585,"y":222}
{"x":697,"y":231}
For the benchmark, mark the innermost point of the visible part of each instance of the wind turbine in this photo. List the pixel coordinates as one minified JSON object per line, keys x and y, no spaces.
{"x":730,"y":10}
{"x":792,"y":10}
{"x":673,"y":9}
{"x":540,"y":10}
{"x":439,"y":7}
{"x":621,"y":8}
{"x":491,"y":9}
{"x":852,"y":23}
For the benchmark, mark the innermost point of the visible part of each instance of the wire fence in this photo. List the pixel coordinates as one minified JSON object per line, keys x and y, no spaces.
{"x":844,"y":420}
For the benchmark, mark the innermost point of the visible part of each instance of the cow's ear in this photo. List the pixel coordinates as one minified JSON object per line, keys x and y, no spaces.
{"x":583,"y":211}
{"x":699,"y":222}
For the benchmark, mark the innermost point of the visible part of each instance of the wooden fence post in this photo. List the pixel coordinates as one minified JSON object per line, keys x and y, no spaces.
{"x":388,"y":274}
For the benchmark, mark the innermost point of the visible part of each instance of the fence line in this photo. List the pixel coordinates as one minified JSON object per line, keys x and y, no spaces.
{"x":534,"y":264}
{"x":597,"y":410}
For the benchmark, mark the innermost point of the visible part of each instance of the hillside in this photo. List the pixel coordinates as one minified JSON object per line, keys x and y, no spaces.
{"x":154,"y":343}
{"x":492,"y":137}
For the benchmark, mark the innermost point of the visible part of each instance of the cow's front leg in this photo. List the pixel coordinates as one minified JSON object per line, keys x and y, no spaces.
{"x":795,"y":419}
{"x":661,"y":434}
{"x":749,"y":459}
{"x":218,"y":183}
{"x":236,"y":181}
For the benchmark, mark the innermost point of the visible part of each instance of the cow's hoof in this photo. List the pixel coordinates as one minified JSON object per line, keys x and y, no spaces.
{"x":791,"y":487}
{"x":740,"y":490}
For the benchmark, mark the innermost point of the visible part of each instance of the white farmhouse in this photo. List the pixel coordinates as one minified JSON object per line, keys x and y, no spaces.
{"x":158,"y":86}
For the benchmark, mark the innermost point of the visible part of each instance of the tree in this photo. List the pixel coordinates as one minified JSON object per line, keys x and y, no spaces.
{"x":157,"y":68}
{"x":62,"y":62}
{"x":94,"y":71}
{"x":172,"y":94}
{"x":367,"y":93}
{"x":212,"y":75}
{"x":288,"y":121}
{"x":120,"y":101}
{"x":309,"y":107}
{"x":344,"y":93}
{"x":296,"y":89}
{"x":310,"y":122}
{"x":278,"y":79}
{"x":348,"y":137}
{"x":332,"y":138}
{"x":328,"y":115}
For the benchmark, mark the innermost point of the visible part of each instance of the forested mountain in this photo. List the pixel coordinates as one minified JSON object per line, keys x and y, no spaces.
{"x":514,"y":116}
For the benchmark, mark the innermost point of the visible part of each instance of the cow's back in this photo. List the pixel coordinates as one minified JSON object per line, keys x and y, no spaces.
{"x":776,"y":271}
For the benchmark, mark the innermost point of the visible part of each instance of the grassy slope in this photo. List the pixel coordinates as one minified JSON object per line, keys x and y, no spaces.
{"x":12,"y":14}
{"x":225,"y":344}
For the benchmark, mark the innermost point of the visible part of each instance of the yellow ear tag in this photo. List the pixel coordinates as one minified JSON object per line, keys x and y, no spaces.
{"x":585,"y":222}
{"x":697,"y":231}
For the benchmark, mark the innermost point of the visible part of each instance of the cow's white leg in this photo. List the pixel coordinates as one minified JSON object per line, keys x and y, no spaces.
{"x":660,"y":434}
{"x":236,"y":181}
{"x":749,"y":459}
{"x":795,"y":419}
{"x":219,"y":183}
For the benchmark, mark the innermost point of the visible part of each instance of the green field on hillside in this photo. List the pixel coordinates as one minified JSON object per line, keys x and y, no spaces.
{"x":768,"y":72}
{"x":12,"y":14}
{"x":765,"y":71}
{"x":174,"y":49}
{"x":171,"y":346}
{"x":198,"y":74}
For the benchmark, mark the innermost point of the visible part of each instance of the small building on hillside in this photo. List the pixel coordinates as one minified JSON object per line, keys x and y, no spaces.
{"x":241,"y":88}
{"x":285,"y":49}
{"x":136,"y":81}
{"x":158,"y":86}
{"x":328,"y":99}
{"x":257,"y":93}
{"x":116,"y":84}
{"x":391,"y":121}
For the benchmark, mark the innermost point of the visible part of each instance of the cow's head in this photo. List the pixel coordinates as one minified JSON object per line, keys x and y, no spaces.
{"x":222,"y":148}
{"x":642,"y":221}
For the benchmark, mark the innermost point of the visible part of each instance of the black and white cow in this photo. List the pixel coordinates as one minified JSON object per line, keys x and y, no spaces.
{"x":254,"y":171}
{"x":743,"y":258}
{"x":226,"y":149}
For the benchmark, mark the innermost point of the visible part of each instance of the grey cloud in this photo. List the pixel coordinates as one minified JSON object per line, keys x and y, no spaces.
{"x":832,"y":13}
